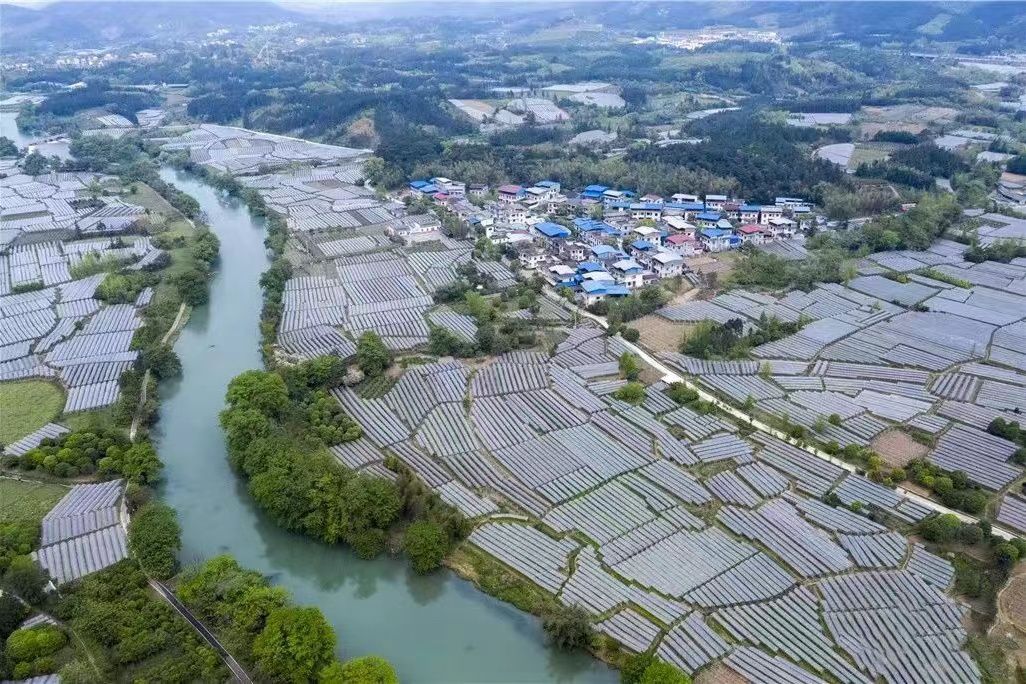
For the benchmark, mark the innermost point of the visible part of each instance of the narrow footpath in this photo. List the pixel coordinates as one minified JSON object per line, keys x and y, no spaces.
{"x":669,"y":376}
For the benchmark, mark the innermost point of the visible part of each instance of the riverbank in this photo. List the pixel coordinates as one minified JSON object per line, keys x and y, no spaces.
{"x":363,"y":600}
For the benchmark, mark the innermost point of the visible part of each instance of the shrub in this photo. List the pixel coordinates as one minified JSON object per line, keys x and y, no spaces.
{"x":372,"y":356}
{"x":154,"y":537}
{"x":296,"y":645}
{"x":365,"y":670}
{"x":426,"y":543}
{"x":567,"y":627}
{"x":27,"y":579}
{"x":26,"y":645}
{"x":663,"y":673}
{"x":631,"y":334}
{"x":632,"y":393}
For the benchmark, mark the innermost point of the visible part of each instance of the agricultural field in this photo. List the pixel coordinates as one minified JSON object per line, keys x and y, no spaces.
{"x":23,"y":501}
{"x":27,"y":405}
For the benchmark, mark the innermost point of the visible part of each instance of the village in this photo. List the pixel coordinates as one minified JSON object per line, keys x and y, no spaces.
{"x":622,"y":242}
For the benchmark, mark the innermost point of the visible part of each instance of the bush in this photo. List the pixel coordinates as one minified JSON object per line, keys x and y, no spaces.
{"x":681,"y":393}
{"x":295,"y":646}
{"x":631,"y":334}
{"x":26,"y":645}
{"x":567,"y":627}
{"x":427,"y":544}
{"x":372,"y":356}
{"x":365,"y":670}
{"x":154,"y":538}
{"x":12,"y":612}
{"x":632,"y":393}
{"x":663,"y":673}
{"x":27,"y":579}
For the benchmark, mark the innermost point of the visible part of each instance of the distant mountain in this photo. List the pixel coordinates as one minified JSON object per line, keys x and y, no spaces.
{"x":97,"y":24}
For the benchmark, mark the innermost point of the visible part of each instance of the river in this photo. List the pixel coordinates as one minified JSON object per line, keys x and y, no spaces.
{"x":438,"y":628}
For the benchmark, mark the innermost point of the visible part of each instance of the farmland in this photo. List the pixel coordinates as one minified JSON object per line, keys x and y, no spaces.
{"x":26,"y":406}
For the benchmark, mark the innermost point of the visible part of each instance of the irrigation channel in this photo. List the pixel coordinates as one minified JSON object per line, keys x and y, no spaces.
{"x":432,"y":629}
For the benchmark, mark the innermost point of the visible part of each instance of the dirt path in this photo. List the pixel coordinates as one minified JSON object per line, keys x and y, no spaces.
{"x":175,"y":326}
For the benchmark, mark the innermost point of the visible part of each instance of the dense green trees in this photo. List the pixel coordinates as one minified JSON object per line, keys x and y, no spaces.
{"x":1017,"y":164}
{"x":365,"y":670}
{"x":712,"y":340}
{"x":154,"y":539}
{"x":24,"y":577}
{"x":426,"y":543}
{"x":632,"y":393}
{"x":295,"y":645}
{"x":12,"y":613}
{"x":568,"y":627}
{"x":372,"y":355}
{"x":86,"y":451}
{"x":7,"y":147}
{"x":630,"y":366}
{"x":328,"y":421}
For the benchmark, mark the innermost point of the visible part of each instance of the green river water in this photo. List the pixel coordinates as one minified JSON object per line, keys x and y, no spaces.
{"x":432,"y":629}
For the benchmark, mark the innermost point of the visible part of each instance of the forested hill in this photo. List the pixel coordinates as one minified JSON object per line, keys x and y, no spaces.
{"x":97,"y":24}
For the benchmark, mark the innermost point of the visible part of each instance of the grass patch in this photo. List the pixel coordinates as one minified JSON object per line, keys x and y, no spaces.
{"x":498,"y":580}
{"x":375,"y":388}
{"x":97,"y":419}
{"x":22,"y":501}
{"x":27,"y":405}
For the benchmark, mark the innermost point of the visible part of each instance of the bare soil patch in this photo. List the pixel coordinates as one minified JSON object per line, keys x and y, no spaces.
{"x":868,"y":130}
{"x":659,"y":334}
{"x":719,"y":674}
{"x":897,"y":448}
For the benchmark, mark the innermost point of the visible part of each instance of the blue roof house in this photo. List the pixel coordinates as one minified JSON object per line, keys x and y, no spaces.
{"x":594,"y":192}
{"x":553,"y":231}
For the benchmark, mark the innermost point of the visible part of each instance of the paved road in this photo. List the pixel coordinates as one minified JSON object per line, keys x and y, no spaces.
{"x":668,"y":376}
{"x":238,"y":673}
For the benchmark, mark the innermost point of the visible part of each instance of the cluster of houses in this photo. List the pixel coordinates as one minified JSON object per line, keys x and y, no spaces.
{"x":606,"y":242}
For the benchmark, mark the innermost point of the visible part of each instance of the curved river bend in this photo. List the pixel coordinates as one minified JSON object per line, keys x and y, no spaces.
{"x":433,"y":629}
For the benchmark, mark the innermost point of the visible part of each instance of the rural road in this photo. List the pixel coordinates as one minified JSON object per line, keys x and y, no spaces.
{"x":668,"y":375}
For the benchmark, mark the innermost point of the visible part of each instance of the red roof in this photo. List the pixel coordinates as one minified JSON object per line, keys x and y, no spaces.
{"x":510,"y":189}
{"x":679,"y":238}
{"x":750,"y":229}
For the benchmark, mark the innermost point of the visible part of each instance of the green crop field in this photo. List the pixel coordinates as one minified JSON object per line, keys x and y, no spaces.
{"x":22,"y":501}
{"x":27,"y":405}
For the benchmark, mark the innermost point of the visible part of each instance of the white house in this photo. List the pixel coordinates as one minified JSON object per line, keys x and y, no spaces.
{"x":715,"y":202}
{"x":628,"y":272}
{"x":452,"y":188}
{"x":532,"y":258}
{"x":679,"y":224}
{"x":684,"y":197}
{"x":418,"y":226}
{"x":781,"y":227}
{"x":684,"y":244}
{"x":641,"y":211}
{"x":667,"y":264}
{"x":648,"y":234}
{"x":769,"y":211}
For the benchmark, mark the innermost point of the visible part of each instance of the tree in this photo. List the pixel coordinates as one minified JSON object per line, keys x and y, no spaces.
{"x":663,"y":673}
{"x":629,"y":366}
{"x":634,"y":667}
{"x":426,"y":543}
{"x":35,"y":164}
{"x":7,"y":147}
{"x":372,"y":356}
{"x":162,"y":360}
{"x":631,"y":334}
{"x":27,"y":579}
{"x":632,"y":393}
{"x":941,"y":529}
{"x":567,"y":627}
{"x":364,"y":670}
{"x":154,"y":538}
{"x":12,"y":612}
{"x":262,"y":390}
{"x":296,"y":645}
{"x":192,"y":286}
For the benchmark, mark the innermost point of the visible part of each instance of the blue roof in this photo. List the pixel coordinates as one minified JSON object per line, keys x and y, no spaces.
{"x":714,"y":232}
{"x":428,"y":189}
{"x":708,"y":216}
{"x":589,"y":225}
{"x":596,"y":188}
{"x":641,"y":244}
{"x":686,"y":206}
{"x":417,"y":184}
{"x":589,"y":266}
{"x":619,"y":204}
{"x":606,"y":288}
{"x":647,"y":206}
{"x":604,"y":250}
{"x":546,"y":184}
{"x":751,"y":207}
{"x":552,"y":230}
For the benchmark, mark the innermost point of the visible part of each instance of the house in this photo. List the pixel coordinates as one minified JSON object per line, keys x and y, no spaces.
{"x":649,"y":234}
{"x":571,"y":250}
{"x":593,"y":228}
{"x":654,"y":199}
{"x":684,"y":244}
{"x":748,"y":213}
{"x":552,"y":231}
{"x":477,"y":190}
{"x":416,"y":227}
{"x":516,"y":213}
{"x":594,"y":291}
{"x":605,"y":253}
{"x":611,"y":196}
{"x":642,"y":249}
{"x":552,"y":186}
{"x":715,"y":202}
{"x":451,"y":188}
{"x":667,"y":264}
{"x":687,"y":210}
{"x":561,"y":273}
{"x":587,"y":267}
{"x":512,"y":237}
{"x":708,"y":219}
{"x":510,"y":193}
{"x":680,"y":225}
{"x":752,"y":233}
{"x":641,"y":211}
{"x":628,"y":272}
{"x":718,"y":239}
{"x":681,"y":197}
{"x":532,"y":257}
{"x":594,"y":192}
{"x":781,"y":227}
{"x":769,"y":211}
{"x":790,"y":202}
